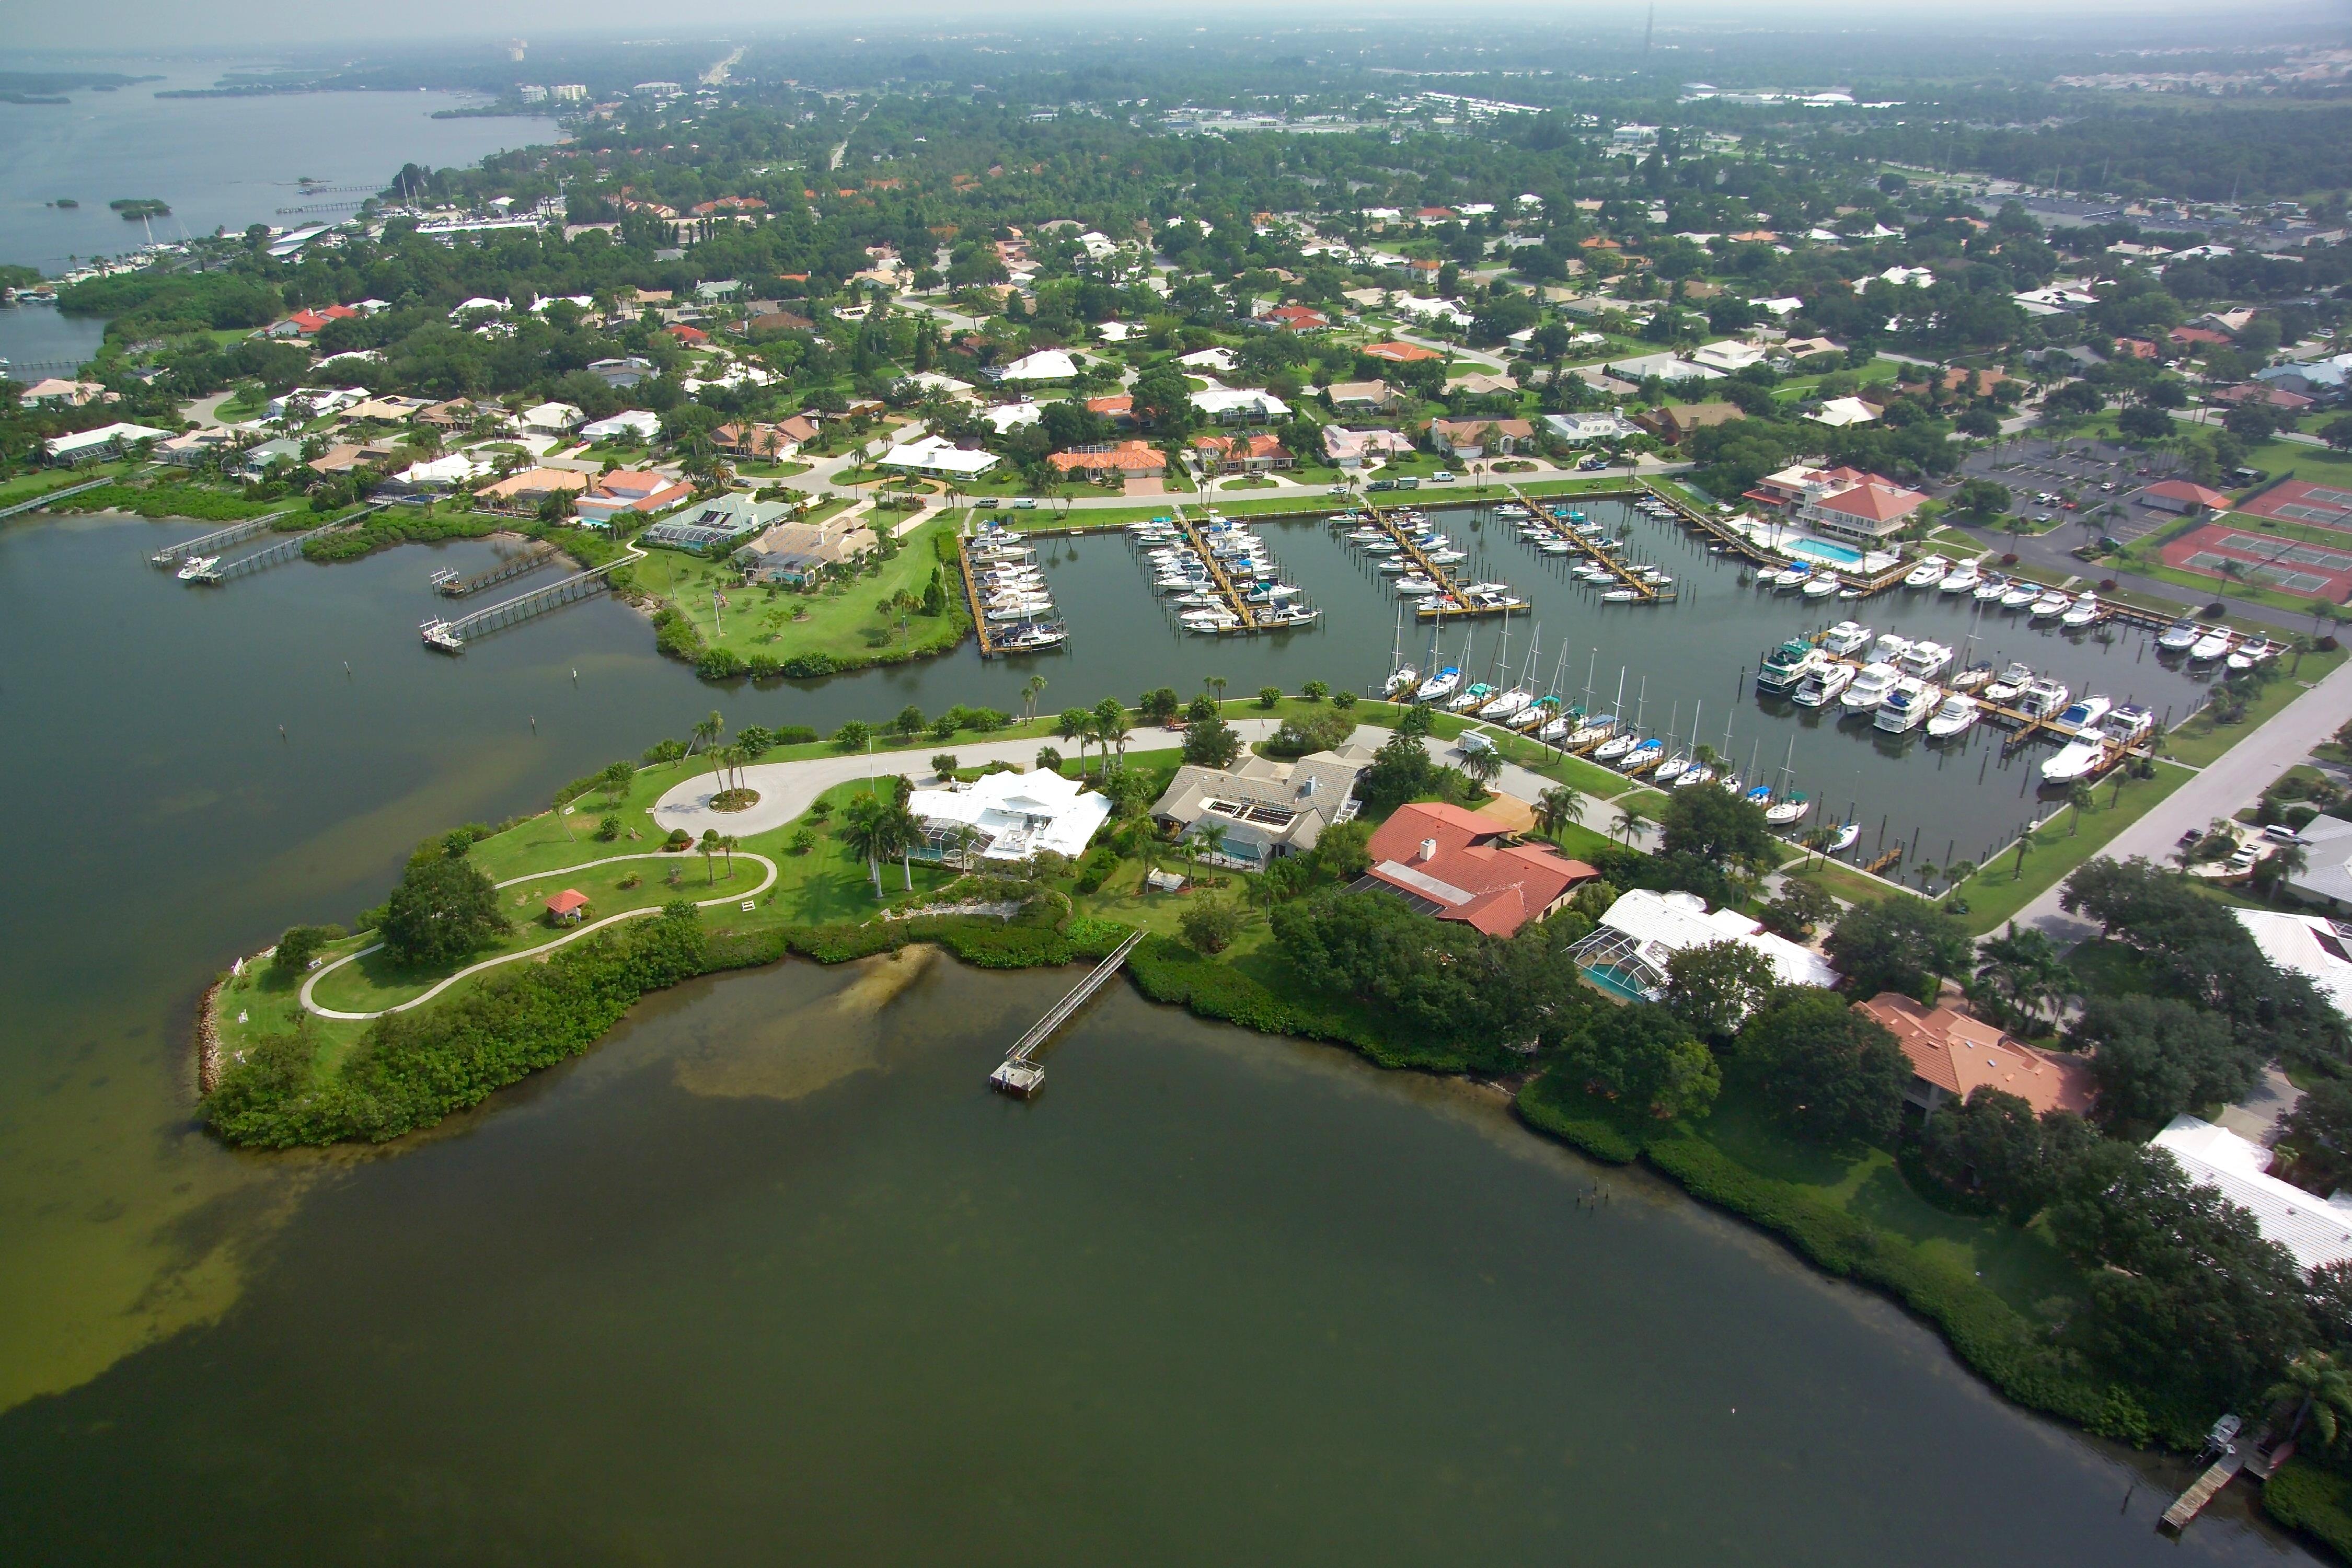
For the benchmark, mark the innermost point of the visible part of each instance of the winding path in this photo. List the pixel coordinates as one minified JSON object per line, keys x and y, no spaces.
{"x":309,"y":1005}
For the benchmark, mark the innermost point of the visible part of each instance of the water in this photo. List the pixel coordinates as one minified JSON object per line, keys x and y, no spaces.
{"x":219,"y":161}
{"x":770,"y":1272}
{"x":43,"y":336}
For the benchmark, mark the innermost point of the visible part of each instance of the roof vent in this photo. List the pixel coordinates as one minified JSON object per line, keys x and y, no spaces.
{"x":1428,"y":849}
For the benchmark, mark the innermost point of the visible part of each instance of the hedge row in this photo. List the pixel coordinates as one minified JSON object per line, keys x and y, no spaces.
{"x":2302,"y":1496}
{"x":400,"y":525}
{"x":1165,"y":970}
{"x":1567,"y":1113}
{"x":162,"y":501}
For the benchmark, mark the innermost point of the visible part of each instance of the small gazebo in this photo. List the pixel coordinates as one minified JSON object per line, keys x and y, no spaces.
{"x":568,"y":907}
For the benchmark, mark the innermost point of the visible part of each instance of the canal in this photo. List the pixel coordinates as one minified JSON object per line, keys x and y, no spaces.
{"x":771,"y":1273}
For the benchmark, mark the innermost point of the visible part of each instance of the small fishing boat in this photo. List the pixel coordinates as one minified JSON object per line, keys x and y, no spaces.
{"x":198,"y":568}
{"x":2252,"y":652}
{"x":2050,"y":604}
{"x":1954,"y":717}
{"x":1620,"y":596}
{"x":1929,"y":572}
{"x":1992,"y":588}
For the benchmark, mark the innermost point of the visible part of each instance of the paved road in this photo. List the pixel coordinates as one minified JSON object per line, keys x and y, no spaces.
{"x":2219,"y":790}
{"x":788,"y":789}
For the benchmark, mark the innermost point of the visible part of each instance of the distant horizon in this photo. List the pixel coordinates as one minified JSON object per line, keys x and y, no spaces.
{"x":281,"y":27}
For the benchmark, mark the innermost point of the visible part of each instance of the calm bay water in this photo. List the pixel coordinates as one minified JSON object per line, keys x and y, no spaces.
{"x":219,"y":161}
{"x":770,"y":1273}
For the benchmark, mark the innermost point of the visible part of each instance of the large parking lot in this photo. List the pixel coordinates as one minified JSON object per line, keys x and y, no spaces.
{"x":2095,"y":473}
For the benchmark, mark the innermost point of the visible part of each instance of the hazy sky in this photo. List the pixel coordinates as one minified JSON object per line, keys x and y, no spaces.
{"x":118,"y":24}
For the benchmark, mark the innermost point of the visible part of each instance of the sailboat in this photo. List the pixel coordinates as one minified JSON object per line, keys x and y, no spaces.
{"x":1401,"y":676}
{"x":1509,"y":703}
{"x":1680,"y":762}
{"x":1787,"y":807}
{"x":1618,"y":745}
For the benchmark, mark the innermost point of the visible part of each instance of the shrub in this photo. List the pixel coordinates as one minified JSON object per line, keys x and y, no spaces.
{"x":299,"y":945}
{"x":2302,"y":1496}
{"x":1210,"y":925}
{"x":1343,"y":699}
{"x":1267,"y":696}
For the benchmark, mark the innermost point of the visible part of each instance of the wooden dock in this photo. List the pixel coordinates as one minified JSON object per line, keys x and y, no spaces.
{"x":1019,"y":1074}
{"x":50,"y":498}
{"x":971,"y":597}
{"x":1649,"y":591}
{"x":2191,"y":1503}
{"x":449,"y":636}
{"x":449,"y":585}
{"x":1225,"y":589}
{"x":1443,"y":576}
{"x":217,"y":540}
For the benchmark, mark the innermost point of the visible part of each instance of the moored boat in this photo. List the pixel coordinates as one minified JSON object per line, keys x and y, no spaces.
{"x":1954,"y":717}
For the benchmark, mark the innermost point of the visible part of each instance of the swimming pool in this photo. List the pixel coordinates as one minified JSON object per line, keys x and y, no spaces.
{"x":1821,"y":550}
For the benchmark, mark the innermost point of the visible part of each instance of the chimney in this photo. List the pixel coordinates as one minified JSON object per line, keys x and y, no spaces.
{"x":1428,"y":850}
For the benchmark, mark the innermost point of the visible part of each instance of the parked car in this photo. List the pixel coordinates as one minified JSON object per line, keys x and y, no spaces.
{"x":1443,"y":476}
{"x":987,"y":503}
{"x":1381,"y":485}
{"x":2280,"y":833}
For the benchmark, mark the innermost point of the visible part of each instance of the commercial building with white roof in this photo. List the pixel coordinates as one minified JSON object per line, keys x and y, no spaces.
{"x":2316,"y":1230}
{"x":1014,"y":816}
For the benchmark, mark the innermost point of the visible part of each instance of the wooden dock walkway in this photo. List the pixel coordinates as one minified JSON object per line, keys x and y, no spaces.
{"x":971,"y":597}
{"x":449,"y":585}
{"x":1225,"y":589}
{"x":50,"y":497}
{"x":1443,"y":575}
{"x":217,"y":540}
{"x":1649,"y":591}
{"x":449,"y":636}
{"x":1019,"y":1074}
{"x":2188,"y":1504}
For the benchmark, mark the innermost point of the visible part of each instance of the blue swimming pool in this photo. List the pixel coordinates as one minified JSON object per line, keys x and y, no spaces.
{"x":1823,"y":551}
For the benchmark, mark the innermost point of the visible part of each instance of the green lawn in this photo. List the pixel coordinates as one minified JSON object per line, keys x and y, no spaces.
{"x":41,"y":481}
{"x":2200,"y":741}
{"x":2009,"y":884}
{"x":839,"y":619}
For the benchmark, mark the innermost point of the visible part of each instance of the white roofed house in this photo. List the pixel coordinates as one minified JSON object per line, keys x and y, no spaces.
{"x":1265,"y":808}
{"x":935,"y":457}
{"x":2317,"y":1231}
{"x":1007,"y":818}
{"x":1240,"y":405}
{"x":1627,"y":953}
{"x":1045,"y":364}
{"x":1727,"y":354}
{"x":106,"y":441}
{"x":550,"y":419}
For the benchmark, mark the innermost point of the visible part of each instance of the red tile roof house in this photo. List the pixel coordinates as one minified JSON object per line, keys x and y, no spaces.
{"x":1297,"y":319}
{"x":1119,"y":408}
{"x":1952,"y":1054}
{"x":1401,"y":353}
{"x":687,"y":335}
{"x":760,"y":443}
{"x":1844,"y":503}
{"x":1128,"y":460}
{"x":1241,"y":454}
{"x":2257,"y":392}
{"x":1446,"y":861}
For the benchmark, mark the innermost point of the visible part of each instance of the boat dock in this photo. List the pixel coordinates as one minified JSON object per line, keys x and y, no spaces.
{"x":449,"y":585}
{"x":971,"y":597}
{"x":1019,"y":1074}
{"x":1648,"y":592}
{"x":213,"y":544}
{"x":450,"y":637}
{"x":1440,"y":574}
{"x":1225,"y":589}
{"x":2191,"y":1503}
{"x":50,"y":497}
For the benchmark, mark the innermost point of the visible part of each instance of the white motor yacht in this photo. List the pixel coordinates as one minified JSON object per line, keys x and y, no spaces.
{"x":194,"y":568}
{"x":2180,"y":637}
{"x":1414,"y":587}
{"x":1954,"y":717}
{"x":1822,"y":687}
{"x":2009,"y":683}
{"x":1845,"y":637}
{"x":2019,"y":594}
{"x":1906,"y":705}
{"x":2084,"y":712}
{"x":1793,"y":578}
{"x":2211,"y":646}
{"x":2252,"y":652}
{"x":1888,"y":648}
{"x":1925,"y":658}
{"x":2127,"y":725}
{"x":2079,"y":758}
{"x":1871,"y":684}
{"x":1992,"y":588}
{"x":1929,"y":573}
{"x":1961,"y":579}
{"x":2041,"y":697}
{"x":2081,"y":613}
{"x":1821,"y":585}
{"x":2050,"y":604}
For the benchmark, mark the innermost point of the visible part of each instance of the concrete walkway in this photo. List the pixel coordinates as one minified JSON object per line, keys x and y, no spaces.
{"x":734,"y":895}
{"x":2241,"y":774}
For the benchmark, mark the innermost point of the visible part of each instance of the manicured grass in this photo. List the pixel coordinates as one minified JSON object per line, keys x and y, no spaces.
{"x":2200,"y":741}
{"x":2111,"y":969}
{"x":2003,"y":888}
{"x":41,"y":481}
{"x":838,"y":617}
{"x":1843,"y":881}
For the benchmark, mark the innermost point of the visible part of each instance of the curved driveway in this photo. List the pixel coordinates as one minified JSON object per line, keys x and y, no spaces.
{"x":573,"y":935}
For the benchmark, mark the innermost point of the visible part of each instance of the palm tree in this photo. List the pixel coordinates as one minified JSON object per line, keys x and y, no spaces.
{"x":562,"y":820}
{"x":707,"y":732}
{"x":867,"y":829}
{"x":964,"y":837}
{"x":728,"y":841}
{"x":709,"y":846}
{"x":1075,"y":724}
{"x":2281,"y":866}
{"x":2322,"y":1389}
{"x":1630,"y":822}
{"x":1556,"y":808}
{"x":1483,"y":766}
{"x":1208,"y":836}
{"x":1215,"y":685}
{"x":1110,"y":728}
{"x":1029,"y":690}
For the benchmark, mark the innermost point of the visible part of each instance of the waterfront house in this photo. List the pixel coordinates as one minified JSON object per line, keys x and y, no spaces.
{"x":640,"y":490}
{"x":188,"y":450}
{"x":797,"y":554}
{"x":1007,"y":818}
{"x":1456,"y":865}
{"x":1628,"y":951}
{"x":1841,"y":502}
{"x":524,"y":491}
{"x":1354,"y":448}
{"x":443,"y":473}
{"x":1265,"y":808}
{"x":106,"y":441}
{"x":1952,"y":1055}
{"x":1471,"y":439}
{"x":255,"y":462}
{"x":1253,"y":454}
{"x":1240,"y":405}
{"x":2317,"y":1231}
{"x":1124,"y":460}
{"x":937,"y":457}
{"x":347,"y":457}
{"x":720,"y":520}
{"x":67,"y":394}
{"x":1578,"y":429}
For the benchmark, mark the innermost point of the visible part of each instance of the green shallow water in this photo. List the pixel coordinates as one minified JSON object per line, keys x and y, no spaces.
{"x":770,"y":1275}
